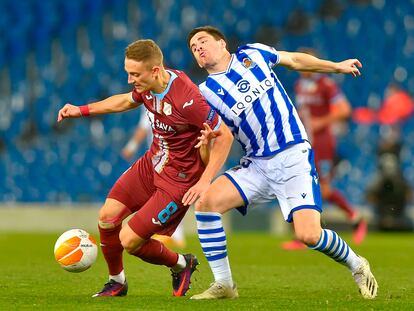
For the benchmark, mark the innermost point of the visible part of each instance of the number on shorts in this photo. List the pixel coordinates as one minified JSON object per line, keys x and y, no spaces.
{"x":166,"y":213}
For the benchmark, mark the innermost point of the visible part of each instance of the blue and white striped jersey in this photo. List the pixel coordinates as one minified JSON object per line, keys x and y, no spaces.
{"x":253,"y":103}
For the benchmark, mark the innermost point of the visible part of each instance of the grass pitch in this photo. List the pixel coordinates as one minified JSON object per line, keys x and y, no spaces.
{"x":268,"y":277}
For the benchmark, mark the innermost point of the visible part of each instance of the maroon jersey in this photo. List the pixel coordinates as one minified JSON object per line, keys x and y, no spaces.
{"x":178,"y":116}
{"x":314,"y":98}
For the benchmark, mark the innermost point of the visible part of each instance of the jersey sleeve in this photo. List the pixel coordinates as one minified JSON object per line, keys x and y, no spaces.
{"x":270,"y":55}
{"x":197,"y":111}
{"x":136,"y":97}
{"x":331,"y":90}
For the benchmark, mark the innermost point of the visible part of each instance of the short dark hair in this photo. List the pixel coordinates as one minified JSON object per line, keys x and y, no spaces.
{"x":213,"y":31}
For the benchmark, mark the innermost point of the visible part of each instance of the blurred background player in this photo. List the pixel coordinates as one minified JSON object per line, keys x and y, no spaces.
{"x":397,"y":108}
{"x":153,"y":187}
{"x":143,"y":132}
{"x":322,"y":105}
{"x":389,"y":191}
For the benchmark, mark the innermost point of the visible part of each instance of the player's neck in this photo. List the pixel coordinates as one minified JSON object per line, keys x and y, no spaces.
{"x":162,"y":82}
{"x":221,"y":65}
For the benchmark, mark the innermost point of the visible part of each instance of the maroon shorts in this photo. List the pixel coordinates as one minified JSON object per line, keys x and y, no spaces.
{"x":324,"y":167}
{"x":156,"y":210}
{"x":324,"y":149}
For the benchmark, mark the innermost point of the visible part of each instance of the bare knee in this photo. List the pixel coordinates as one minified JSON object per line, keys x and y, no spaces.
{"x":112,"y":214}
{"x":206,"y":204}
{"x":104,"y":214}
{"x":307,"y":225}
{"x":107,"y":220}
{"x":129,"y":242}
{"x":308,"y":236}
{"x":129,"y":245}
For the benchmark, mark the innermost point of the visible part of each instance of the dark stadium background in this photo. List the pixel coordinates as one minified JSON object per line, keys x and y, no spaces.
{"x":54,"y":52}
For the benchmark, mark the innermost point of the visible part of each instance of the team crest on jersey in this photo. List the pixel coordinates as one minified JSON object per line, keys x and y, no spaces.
{"x":248,"y":63}
{"x":166,"y":108}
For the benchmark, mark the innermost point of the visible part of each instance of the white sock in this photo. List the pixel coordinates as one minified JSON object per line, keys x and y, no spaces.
{"x":180,"y":265}
{"x":178,"y":234}
{"x":213,"y":242}
{"x":331,"y":244}
{"x":120,"y":278}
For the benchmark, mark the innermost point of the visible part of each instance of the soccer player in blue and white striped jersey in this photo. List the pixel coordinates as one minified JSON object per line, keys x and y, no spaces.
{"x":278,"y":161}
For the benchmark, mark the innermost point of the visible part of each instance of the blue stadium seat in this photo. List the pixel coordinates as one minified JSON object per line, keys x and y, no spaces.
{"x":380,"y":36}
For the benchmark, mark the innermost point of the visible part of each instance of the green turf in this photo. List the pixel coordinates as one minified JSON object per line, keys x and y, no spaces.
{"x":268,"y":278}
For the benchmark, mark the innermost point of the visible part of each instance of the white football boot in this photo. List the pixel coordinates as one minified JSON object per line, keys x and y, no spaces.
{"x":218,"y":291}
{"x":365,"y":280}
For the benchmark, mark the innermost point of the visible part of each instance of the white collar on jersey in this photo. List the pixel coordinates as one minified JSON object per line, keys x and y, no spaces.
{"x":228,"y":67}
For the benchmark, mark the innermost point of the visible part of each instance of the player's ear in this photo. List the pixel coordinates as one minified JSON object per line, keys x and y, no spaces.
{"x":155,"y":71}
{"x":223,"y":44}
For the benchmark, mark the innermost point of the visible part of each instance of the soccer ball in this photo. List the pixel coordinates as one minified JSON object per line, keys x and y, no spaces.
{"x":75,"y":250}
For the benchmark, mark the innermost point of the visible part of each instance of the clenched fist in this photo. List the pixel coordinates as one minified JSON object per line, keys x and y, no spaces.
{"x":69,"y":111}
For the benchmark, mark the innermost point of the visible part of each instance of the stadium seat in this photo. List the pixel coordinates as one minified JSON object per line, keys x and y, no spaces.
{"x":75,"y":54}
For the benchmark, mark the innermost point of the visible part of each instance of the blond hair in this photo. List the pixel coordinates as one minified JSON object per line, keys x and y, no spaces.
{"x":145,"y":50}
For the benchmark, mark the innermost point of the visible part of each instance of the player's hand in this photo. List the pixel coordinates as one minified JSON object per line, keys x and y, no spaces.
{"x":206,"y":135}
{"x":195,"y":192}
{"x":127,"y":153}
{"x":69,"y":111}
{"x":350,"y":66}
{"x":318,"y":124}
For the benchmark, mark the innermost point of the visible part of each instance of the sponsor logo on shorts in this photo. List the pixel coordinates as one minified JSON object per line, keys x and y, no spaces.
{"x":303,"y":195}
{"x":182,"y":175}
{"x":156,"y":222}
{"x":245,"y":163}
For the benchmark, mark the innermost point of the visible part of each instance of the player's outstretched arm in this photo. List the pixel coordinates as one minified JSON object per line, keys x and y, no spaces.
{"x":133,"y":144}
{"x":305,"y":62}
{"x":115,"y":103}
{"x":218,"y":152}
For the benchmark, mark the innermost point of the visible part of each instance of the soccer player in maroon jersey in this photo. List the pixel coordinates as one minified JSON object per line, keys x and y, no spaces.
{"x":143,"y":132}
{"x":321,"y":105}
{"x":159,"y":187}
